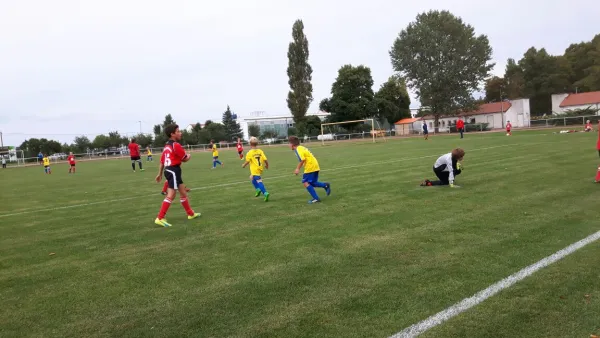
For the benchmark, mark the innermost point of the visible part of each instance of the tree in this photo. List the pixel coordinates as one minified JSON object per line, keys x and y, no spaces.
{"x":514,"y":80}
{"x":392,"y":100}
{"x":101,"y":142}
{"x":216,"y":131}
{"x":253,"y":130}
{"x":543,"y":76}
{"x":299,"y":73}
{"x":115,"y":139}
{"x":144,"y":140}
{"x":443,"y":61}
{"x":269,"y":134}
{"x":495,"y":89}
{"x":168,"y":120}
{"x":82,"y":144}
{"x":232,"y":128}
{"x":351,"y":95}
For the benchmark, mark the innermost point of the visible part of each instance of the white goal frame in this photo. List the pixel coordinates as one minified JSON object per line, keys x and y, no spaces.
{"x":346,"y":122}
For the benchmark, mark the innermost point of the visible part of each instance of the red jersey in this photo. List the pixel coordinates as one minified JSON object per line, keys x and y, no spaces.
{"x":460,"y":124}
{"x":508,"y":126}
{"x":240,"y":147}
{"x":71,"y":159}
{"x":134,"y":150}
{"x":173,"y":154}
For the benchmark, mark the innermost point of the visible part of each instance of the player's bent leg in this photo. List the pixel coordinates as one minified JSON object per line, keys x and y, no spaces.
{"x":185,"y":203}
{"x":311,"y":190}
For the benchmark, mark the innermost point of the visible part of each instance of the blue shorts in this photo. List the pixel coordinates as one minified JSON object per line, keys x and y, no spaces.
{"x":256,"y":178}
{"x":425,"y":132}
{"x":215,"y":157}
{"x":310,"y":177}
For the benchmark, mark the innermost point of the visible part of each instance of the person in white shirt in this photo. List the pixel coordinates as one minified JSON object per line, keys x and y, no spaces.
{"x":3,"y":162}
{"x":446,"y":168}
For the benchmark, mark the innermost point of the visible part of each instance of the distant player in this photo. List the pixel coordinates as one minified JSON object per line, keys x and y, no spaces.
{"x":508,"y":128}
{"x":240,"y":148}
{"x":598,"y":148}
{"x":460,"y":127}
{"x":71,"y":160}
{"x":171,"y":159}
{"x":148,"y":154}
{"x":3,"y":162}
{"x":425,"y":131}
{"x":215,"y":154}
{"x":310,"y":178}
{"x":446,"y":168}
{"x":258,"y":162}
{"x":40,"y":158}
{"x":588,"y":126}
{"x":134,"y":154}
{"x":46,"y":161}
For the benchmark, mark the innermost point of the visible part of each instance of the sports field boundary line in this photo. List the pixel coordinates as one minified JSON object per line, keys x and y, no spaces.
{"x":467,"y":303}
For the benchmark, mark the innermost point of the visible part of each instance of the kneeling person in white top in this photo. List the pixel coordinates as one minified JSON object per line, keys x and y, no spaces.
{"x":446,"y":168}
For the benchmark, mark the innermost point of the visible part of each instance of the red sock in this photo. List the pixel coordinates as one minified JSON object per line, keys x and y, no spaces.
{"x":165,"y":186}
{"x":186,"y":205}
{"x":241,"y":156}
{"x":598,"y":175}
{"x":164,"y":208}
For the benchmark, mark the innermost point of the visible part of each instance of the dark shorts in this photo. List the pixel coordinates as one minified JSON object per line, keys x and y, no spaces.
{"x":310,"y":177}
{"x":173,"y":176}
{"x":240,"y":152}
{"x":73,"y":165}
{"x":215,"y":157}
{"x":135,"y":158}
{"x":425,"y":132}
{"x":598,"y":152}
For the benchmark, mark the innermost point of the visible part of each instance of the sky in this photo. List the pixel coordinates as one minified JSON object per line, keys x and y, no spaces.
{"x":73,"y":67}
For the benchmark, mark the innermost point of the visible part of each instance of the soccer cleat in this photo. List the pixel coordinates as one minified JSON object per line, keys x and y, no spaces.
{"x":267,"y":196}
{"x":142,"y":169}
{"x":328,"y":189}
{"x":257,"y":193}
{"x":314,"y":201}
{"x":195,"y":215}
{"x":162,"y":222}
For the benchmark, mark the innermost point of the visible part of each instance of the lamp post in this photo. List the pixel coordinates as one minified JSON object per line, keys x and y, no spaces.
{"x":140,"y":126}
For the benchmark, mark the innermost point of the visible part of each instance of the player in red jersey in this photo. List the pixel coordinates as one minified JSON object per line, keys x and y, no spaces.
{"x":134,"y":154}
{"x":588,"y":126}
{"x":71,"y":160}
{"x":240,"y":149}
{"x":171,"y":159}
{"x":508,"y":128}
{"x":598,"y":148}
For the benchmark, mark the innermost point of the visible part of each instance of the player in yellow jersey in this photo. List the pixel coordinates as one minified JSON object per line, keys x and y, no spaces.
{"x":310,"y":179}
{"x":258,"y":162}
{"x":148,"y":154}
{"x":215,"y":154}
{"x":46,"y":161}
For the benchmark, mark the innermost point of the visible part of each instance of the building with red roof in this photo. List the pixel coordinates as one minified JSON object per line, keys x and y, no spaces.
{"x":563,"y":103}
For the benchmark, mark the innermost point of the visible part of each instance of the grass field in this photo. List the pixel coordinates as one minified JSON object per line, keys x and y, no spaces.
{"x":378,"y":255}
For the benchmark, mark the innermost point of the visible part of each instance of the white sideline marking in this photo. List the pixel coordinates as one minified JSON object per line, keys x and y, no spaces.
{"x":234,"y":183}
{"x":467,"y":303}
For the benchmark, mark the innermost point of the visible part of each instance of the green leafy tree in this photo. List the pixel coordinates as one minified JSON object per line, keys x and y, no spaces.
{"x":544,"y":75}
{"x":253,"y":130}
{"x":392,"y":100}
{"x":514,"y":82}
{"x":495,"y":89}
{"x":116,"y":140}
{"x":443,"y":61}
{"x":216,"y":131}
{"x":81,"y":144}
{"x":299,"y":73}
{"x":144,"y":140}
{"x":232,"y":128}
{"x":267,"y":134}
{"x":101,"y":142}
{"x":352,"y":96}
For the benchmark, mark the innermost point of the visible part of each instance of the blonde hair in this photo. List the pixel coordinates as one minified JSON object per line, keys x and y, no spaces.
{"x":253,"y":141}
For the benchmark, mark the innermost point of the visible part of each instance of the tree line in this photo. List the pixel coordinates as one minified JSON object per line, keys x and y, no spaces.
{"x":538,"y":75}
{"x":446,"y":63}
{"x":226,"y":130}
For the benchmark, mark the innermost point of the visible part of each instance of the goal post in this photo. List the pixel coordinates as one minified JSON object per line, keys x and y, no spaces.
{"x":373,"y":131}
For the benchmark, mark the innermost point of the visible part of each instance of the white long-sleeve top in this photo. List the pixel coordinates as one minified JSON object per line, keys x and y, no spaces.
{"x":447,"y":160}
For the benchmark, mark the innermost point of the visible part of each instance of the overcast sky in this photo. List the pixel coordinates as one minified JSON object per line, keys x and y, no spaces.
{"x":71,"y":67}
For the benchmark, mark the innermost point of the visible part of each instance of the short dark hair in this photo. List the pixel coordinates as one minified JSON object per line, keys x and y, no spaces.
{"x":133,"y":140}
{"x":170,"y":129}
{"x":294,"y":140}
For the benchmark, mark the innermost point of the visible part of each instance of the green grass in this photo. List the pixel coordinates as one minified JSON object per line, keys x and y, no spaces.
{"x":378,"y":255}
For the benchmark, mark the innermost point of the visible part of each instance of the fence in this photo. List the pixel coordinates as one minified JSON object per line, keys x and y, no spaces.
{"x":564,"y":121}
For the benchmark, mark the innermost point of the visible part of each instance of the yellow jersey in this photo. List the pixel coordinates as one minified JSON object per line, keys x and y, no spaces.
{"x":215,"y":151}
{"x":46,"y":161}
{"x":256,"y":158}
{"x":149,"y":152}
{"x":311,"y":165}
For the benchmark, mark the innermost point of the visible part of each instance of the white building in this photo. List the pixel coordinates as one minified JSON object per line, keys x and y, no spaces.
{"x":495,"y":114}
{"x":408,"y":126}
{"x":277,"y":123}
{"x":563,"y":103}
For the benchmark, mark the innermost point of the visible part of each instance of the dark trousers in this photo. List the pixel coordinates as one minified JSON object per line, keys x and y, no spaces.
{"x":462,"y":130}
{"x":443,"y":176}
